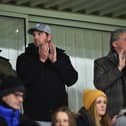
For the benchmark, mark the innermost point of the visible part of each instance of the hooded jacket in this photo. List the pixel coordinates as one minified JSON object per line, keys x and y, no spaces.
{"x":45,"y":82}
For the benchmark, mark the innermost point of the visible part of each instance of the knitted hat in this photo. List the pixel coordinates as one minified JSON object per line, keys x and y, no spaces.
{"x":90,"y":95}
{"x":10,"y":85}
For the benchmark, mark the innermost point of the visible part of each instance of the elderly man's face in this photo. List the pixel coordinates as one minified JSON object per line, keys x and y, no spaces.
{"x":120,"y":44}
{"x":14,"y":100}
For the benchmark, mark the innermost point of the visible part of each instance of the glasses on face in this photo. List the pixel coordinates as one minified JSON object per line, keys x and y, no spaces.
{"x":19,"y":94}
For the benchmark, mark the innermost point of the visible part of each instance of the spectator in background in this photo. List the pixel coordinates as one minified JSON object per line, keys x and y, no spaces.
{"x":6,"y":67}
{"x":110,"y":73}
{"x":93,"y":113}
{"x":11,"y":98}
{"x":45,"y":70}
{"x":63,"y":117}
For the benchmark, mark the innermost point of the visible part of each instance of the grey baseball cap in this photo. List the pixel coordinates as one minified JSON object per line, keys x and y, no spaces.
{"x":40,"y":27}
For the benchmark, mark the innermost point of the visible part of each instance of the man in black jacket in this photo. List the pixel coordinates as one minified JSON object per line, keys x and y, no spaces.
{"x":45,"y":70}
{"x":110,"y":73}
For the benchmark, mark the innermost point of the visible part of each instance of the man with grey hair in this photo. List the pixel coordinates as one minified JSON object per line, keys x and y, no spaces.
{"x":110,"y":73}
{"x":45,"y":70}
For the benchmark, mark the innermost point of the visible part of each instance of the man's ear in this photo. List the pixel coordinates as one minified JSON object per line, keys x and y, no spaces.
{"x":115,"y":44}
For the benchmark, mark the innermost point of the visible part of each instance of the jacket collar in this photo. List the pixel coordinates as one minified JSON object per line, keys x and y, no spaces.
{"x":113,"y":57}
{"x":33,"y":50}
{"x":6,"y":111}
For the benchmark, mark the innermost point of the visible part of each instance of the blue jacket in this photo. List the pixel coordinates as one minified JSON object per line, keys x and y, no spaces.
{"x":9,"y":115}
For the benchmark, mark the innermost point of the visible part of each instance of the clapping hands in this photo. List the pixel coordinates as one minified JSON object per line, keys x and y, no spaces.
{"x":48,"y":51}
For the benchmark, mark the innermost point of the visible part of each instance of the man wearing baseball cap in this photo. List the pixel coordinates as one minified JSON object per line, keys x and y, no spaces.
{"x":45,"y":70}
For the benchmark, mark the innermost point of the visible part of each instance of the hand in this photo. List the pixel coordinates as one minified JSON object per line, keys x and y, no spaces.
{"x":114,"y":119}
{"x":52,"y":52}
{"x":122,"y":60}
{"x":44,"y":52}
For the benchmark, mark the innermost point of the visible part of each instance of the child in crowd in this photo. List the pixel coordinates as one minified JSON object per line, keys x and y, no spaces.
{"x":63,"y":117}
